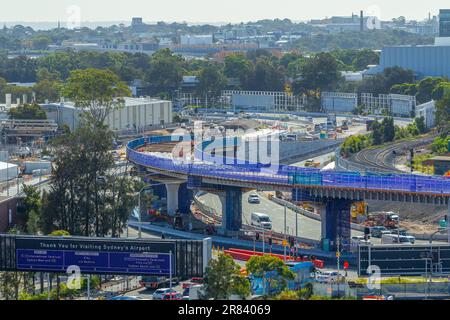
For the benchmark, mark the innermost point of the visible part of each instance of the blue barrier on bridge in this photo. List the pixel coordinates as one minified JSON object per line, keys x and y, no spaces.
{"x":288,"y":175}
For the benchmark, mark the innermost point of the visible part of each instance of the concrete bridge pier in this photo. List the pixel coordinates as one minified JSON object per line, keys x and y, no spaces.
{"x":336,"y":225}
{"x":231,"y":199}
{"x":172,"y":198}
{"x":185,"y":197}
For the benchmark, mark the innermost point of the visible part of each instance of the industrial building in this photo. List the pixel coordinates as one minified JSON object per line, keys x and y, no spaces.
{"x":392,"y":104}
{"x":196,"y":40}
{"x":8,"y":171}
{"x":136,"y":115}
{"x":427,"y":111}
{"x":262,"y":101}
{"x":339,"y":101}
{"x":425,"y":60}
{"x":444,"y":23}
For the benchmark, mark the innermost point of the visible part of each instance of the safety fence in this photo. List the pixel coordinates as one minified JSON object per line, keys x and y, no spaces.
{"x":289,"y":175}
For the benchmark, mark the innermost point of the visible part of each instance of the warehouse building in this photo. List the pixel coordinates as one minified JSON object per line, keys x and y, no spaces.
{"x":427,"y":111}
{"x":136,"y":115}
{"x":339,"y":102}
{"x":8,"y":171}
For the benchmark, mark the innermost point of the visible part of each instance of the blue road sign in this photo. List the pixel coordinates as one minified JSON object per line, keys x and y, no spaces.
{"x":90,"y":261}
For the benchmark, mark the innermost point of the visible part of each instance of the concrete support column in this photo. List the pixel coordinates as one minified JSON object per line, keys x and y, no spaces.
{"x":336,"y":224}
{"x":172,"y":198}
{"x":185,"y":197}
{"x":231,"y":200}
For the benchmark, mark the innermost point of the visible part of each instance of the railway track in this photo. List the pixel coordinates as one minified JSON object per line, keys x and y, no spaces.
{"x":383,"y":159}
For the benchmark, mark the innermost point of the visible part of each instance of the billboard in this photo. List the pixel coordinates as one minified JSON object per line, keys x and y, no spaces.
{"x":94,"y":255}
{"x":117,"y":256}
{"x":404,"y":260}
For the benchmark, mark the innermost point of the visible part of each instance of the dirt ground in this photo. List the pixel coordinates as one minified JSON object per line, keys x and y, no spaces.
{"x":417,"y":218}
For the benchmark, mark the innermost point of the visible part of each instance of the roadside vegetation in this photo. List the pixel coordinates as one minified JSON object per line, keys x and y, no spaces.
{"x":382,"y":132}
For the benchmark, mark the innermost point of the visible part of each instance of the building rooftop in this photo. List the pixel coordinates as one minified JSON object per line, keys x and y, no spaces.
{"x":440,"y":158}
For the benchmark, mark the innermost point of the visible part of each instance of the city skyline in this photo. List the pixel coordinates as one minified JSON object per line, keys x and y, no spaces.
{"x":203,"y":11}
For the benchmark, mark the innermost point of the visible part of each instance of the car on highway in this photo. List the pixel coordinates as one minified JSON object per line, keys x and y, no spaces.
{"x":172,"y":296}
{"x":404,"y":232}
{"x":329,"y":277}
{"x":377,"y":231}
{"x":160,"y":293}
{"x":254,"y":198}
{"x":395,"y":239}
{"x":357,"y":240}
{"x":261,"y":220}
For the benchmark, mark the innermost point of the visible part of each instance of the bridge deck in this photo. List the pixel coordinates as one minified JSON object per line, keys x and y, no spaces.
{"x":394,"y":187}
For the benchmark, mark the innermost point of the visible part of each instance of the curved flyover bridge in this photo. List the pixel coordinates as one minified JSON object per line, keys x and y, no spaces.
{"x":228,"y":176}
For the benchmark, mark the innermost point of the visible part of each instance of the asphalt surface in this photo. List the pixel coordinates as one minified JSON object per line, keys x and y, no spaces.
{"x":307,"y":228}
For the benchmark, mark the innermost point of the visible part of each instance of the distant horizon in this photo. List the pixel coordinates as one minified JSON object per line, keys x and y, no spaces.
{"x":213,"y":12}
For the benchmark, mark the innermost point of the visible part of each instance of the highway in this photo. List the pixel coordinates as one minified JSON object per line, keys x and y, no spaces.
{"x":307,"y":228}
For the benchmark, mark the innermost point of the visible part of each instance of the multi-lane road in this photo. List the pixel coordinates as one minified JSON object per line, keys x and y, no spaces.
{"x":307,"y":227}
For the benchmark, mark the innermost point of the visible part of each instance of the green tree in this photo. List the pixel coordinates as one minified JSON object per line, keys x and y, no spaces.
{"x":41,"y":42}
{"x":223,"y":279}
{"x":211,"y":81}
{"x":238,"y":66}
{"x":86,"y":197}
{"x":28,"y":112}
{"x":96,"y":92}
{"x":47,"y":90}
{"x":420,"y":124}
{"x":426,"y":87}
{"x":258,"y":266}
{"x":267,"y":76}
{"x":165,"y":71}
{"x":388,"y":129}
{"x":443,"y":114}
{"x":318,"y":73}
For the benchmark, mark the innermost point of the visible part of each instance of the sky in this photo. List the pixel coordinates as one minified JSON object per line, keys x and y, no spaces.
{"x":210,"y":10}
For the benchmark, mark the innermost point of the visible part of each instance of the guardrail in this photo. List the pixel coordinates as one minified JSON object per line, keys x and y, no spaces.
{"x":286,"y":176}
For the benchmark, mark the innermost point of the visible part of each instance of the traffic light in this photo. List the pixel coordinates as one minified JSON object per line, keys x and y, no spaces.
{"x":270,"y":241}
{"x":366,"y":233}
{"x":411,"y":160}
{"x":346,"y":265}
{"x":292,"y":242}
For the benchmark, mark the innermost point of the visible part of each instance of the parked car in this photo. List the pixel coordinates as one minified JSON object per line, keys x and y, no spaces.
{"x":254,"y":198}
{"x":160,"y":293}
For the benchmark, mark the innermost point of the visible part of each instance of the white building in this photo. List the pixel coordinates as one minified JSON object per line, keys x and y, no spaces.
{"x":137,"y":114}
{"x":427,"y":111}
{"x":8,"y":171}
{"x":196,"y":40}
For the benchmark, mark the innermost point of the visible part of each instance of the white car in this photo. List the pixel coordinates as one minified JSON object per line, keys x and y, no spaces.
{"x":328,"y":277}
{"x":357,"y":240}
{"x":160,"y":293}
{"x":254,"y":198}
